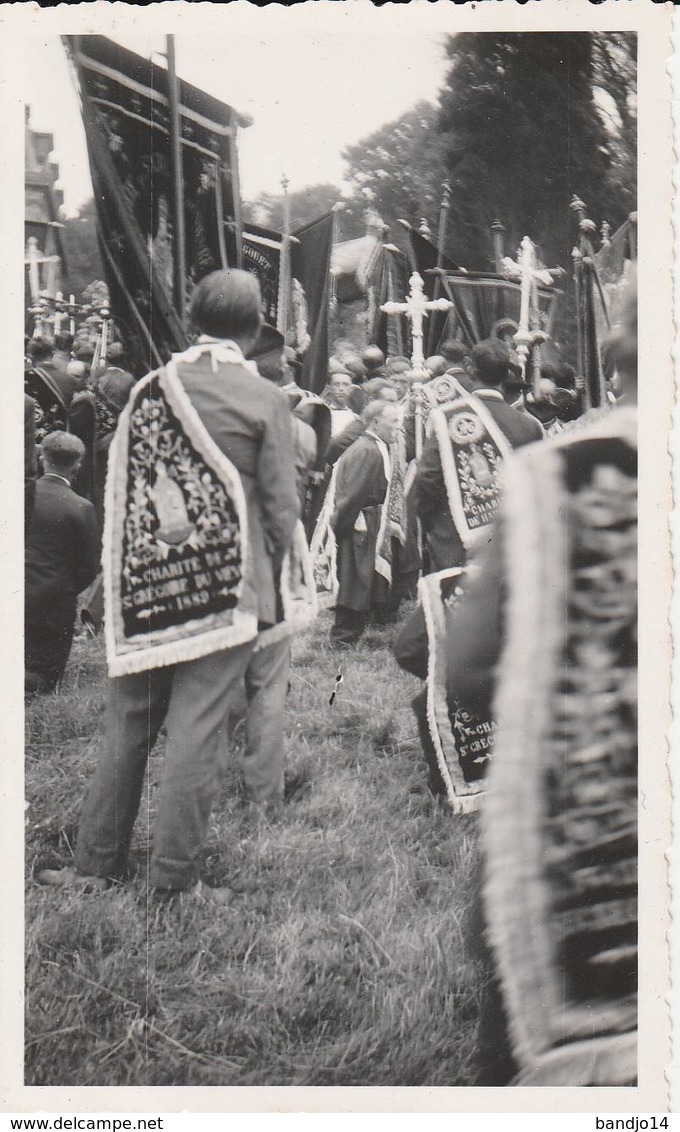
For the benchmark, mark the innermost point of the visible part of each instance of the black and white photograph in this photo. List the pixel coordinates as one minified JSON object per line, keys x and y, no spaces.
{"x":334,"y":604}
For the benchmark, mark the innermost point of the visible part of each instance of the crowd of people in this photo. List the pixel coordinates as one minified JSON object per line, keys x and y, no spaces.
{"x":396,"y":474}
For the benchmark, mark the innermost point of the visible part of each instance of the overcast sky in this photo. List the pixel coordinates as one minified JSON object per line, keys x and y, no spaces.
{"x":310,"y":95}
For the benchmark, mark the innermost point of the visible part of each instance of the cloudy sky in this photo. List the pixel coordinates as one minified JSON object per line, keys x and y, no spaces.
{"x":310,"y":94}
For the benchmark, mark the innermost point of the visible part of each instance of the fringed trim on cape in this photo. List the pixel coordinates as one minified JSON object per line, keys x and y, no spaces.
{"x":464,"y":798}
{"x":518,"y":912}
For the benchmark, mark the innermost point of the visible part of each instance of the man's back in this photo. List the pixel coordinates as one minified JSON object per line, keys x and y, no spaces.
{"x":62,"y":551}
{"x":432,"y":502}
{"x":249,"y":420}
{"x":518,"y":428}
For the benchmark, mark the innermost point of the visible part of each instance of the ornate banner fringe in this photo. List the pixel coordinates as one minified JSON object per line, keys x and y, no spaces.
{"x":189,"y":631}
{"x":464,"y":797}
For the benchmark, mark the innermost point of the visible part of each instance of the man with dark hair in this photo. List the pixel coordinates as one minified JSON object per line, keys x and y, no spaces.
{"x":455,"y":352}
{"x":339,"y":391}
{"x":50,"y":386}
{"x":63,"y":349}
{"x":62,"y":557}
{"x":235,"y":441}
{"x":374,"y":362}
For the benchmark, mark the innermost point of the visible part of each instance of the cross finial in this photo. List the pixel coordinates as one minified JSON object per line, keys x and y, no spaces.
{"x":416,"y":308}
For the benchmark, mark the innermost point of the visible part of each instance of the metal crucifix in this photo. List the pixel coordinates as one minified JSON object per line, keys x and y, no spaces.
{"x":416,"y":308}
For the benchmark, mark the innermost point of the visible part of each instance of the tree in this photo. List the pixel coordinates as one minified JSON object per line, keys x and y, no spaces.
{"x":400,"y":168}
{"x":83,"y":261}
{"x":305,"y":205}
{"x":523,"y":132}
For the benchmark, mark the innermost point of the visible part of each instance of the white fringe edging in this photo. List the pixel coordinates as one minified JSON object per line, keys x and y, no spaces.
{"x":467,"y":799}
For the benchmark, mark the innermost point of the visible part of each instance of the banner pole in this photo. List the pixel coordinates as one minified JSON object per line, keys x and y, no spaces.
{"x":179,"y":242}
{"x":441,"y":238}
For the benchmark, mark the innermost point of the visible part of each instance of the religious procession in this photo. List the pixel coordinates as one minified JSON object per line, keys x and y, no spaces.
{"x":331,"y":589}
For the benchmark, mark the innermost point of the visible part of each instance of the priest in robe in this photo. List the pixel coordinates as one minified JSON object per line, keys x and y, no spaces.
{"x":360,"y":518}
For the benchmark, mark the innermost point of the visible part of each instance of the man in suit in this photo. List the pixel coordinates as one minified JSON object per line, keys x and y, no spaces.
{"x":62,"y":558}
{"x":488,"y":370}
{"x":249,"y":421}
{"x":362,"y":482}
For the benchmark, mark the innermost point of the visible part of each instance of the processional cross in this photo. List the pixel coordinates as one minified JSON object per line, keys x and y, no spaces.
{"x":528,"y":272}
{"x":416,"y":308}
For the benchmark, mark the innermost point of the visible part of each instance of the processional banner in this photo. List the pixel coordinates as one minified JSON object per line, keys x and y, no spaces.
{"x":463,"y":742}
{"x":310,"y":298}
{"x":126,"y":114}
{"x":261,"y":255}
{"x":481,"y":301}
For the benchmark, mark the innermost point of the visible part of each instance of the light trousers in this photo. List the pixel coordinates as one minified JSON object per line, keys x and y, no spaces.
{"x":193,"y":700}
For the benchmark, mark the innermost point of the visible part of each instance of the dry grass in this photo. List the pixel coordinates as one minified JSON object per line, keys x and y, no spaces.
{"x":343,"y":959}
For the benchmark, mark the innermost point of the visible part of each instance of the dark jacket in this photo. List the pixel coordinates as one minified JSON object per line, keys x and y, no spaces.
{"x":431,"y":501}
{"x":249,"y":420}
{"x":62,"y":553}
{"x":30,"y":459}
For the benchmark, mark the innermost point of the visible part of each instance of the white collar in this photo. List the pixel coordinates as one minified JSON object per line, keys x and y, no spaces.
{"x":223,"y":350}
{"x":56,"y":476}
{"x":488,"y":394}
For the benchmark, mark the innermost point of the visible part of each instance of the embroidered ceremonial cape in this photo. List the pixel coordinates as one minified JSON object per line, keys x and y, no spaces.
{"x":472,"y":449}
{"x":175,"y":536}
{"x":463,"y":742}
{"x":560,"y":819}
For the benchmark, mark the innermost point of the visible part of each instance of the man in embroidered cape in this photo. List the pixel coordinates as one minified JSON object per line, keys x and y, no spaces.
{"x":248,"y":421}
{"x":359,"y":520}
{"x":489,"y":364}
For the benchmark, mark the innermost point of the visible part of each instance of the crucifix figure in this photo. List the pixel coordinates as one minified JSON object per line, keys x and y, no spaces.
{"x":416,"y":308}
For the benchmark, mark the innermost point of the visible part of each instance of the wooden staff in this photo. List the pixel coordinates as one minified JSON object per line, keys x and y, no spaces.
{"x":179,"y":242}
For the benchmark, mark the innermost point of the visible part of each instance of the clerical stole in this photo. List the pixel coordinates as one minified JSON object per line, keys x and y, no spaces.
{"x":560,"y":820}
{"x":463,"y":742}
{"x":323,"y":550}
{"x":472,"y":449}
{"x":175,"y":535}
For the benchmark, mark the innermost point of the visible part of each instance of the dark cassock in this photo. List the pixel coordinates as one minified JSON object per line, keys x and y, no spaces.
{"x":362,"y":479}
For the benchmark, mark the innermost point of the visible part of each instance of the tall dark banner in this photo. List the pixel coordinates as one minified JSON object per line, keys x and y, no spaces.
{"x":261,"y":254}
{"x":424,"y":257}
{"x":310,"y":297}
{"x":126,"y":114}
{"x":390,"y":332}
{"x":481,"y":300}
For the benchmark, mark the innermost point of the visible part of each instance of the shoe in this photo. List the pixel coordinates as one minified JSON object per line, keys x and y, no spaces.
{"x":199,"y":893}
{"x":71,"y":878}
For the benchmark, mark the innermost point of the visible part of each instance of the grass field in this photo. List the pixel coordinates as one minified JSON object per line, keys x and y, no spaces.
{"x":343,"y":960}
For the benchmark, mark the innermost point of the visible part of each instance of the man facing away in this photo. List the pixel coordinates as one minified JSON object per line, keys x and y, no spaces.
{"x":362,"y":480}
{"x":248,"y":419}
{"x":488,"y":369}
{"x":62,"y":559}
